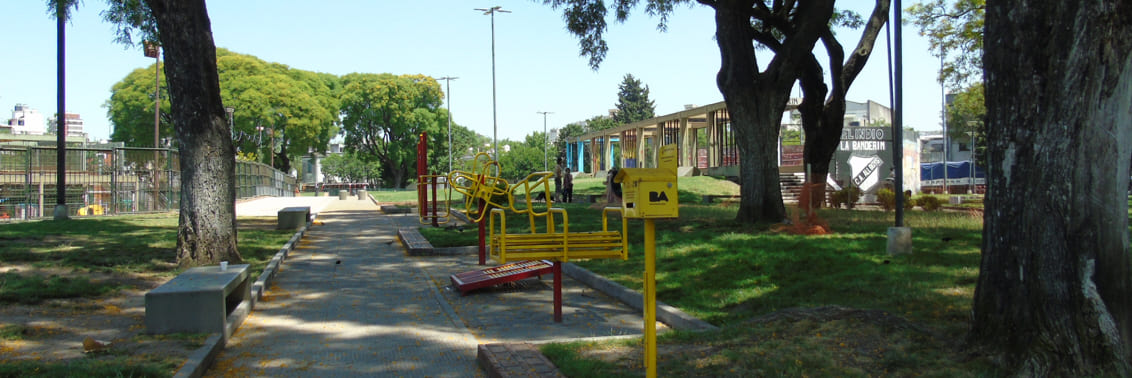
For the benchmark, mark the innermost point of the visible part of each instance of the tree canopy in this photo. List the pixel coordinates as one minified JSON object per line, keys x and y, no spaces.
{"x":296,"y":108}
{"x":633,"y":102}
{"x":383,"y":115}
{"x":955,"y":29}
{"x":756,"y":92}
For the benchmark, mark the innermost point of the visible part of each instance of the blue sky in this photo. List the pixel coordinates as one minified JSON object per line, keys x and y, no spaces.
{"x":537,"y":62}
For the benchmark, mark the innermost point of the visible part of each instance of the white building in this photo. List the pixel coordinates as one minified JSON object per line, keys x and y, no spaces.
{"x":868,"y":113}
{"x":931,"y":147}
{"x":26,"y":120}
{"x":312,"y":165}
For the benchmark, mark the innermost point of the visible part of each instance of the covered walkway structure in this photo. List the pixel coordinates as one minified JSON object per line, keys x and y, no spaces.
{"x":704,"y":137}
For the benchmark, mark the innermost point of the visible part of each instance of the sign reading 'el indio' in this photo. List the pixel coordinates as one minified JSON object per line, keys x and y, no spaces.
{"x":864,"y":138}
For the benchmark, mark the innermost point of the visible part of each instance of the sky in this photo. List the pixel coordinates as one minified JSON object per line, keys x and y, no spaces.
{"x":537,"y":65}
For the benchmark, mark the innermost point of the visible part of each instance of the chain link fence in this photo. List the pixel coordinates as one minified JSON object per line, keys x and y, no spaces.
{"x":111,"y":181}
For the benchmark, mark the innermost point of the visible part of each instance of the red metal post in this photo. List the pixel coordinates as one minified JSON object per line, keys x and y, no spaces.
{"x":483,"y":235}
{"x":558,"y":292}
{"x":422,"y":158}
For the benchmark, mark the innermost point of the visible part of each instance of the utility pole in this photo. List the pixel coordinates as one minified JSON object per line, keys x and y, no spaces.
{"x":494,"y":119}
{"x":61,"y":212}
{"x":545,"y":139}
{"x":448,"y":101}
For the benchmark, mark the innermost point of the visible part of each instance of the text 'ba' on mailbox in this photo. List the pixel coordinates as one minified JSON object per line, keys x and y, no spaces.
{"x":650,"y":192}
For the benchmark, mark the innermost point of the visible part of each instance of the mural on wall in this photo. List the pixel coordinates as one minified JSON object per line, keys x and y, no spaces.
{"x":864,"y":158}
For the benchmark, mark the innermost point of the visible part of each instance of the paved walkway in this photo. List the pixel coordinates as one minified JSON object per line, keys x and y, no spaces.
{"x":349,"y":302}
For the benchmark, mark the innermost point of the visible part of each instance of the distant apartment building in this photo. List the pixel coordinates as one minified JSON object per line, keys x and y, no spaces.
{"x":74,"y":125}
{"x":25,"y":120}
{"x":868,"y":113}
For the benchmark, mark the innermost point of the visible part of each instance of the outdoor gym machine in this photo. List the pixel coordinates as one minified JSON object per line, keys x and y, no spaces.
{"x":650,"y":194}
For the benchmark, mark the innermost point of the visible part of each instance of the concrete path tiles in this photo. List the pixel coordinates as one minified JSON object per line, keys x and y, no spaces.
{"x":349,"y":302}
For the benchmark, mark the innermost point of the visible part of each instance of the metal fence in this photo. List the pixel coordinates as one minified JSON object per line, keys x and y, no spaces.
{"x":111,"y":181}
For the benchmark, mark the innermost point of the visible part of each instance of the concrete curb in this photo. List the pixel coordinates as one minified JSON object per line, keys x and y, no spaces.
{"x":514,"y":360}
{"x":666,"y":314}
{"x":201,"y":359}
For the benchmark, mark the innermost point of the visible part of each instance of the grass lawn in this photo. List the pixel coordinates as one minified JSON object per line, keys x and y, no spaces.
{"x":771,"y":295}
{"x":82,"y":269}
{"x":829,"y":305}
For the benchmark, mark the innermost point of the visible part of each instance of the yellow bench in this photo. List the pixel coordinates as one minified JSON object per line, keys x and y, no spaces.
{"x":558,"y":246}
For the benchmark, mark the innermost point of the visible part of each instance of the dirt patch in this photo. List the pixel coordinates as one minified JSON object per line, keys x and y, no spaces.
{"x":54,"y":331}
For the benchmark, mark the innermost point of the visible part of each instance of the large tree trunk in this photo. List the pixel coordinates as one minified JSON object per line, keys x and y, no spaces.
{"x":1054,"y":287}
{"x":756,"y":100}
{"x":206,"y":231}
{"x":823,"y":122}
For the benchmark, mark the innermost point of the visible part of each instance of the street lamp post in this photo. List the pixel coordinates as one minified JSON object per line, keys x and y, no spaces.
{"x":231,"y":130}
{"x":494,"y":121}
{"x":943,"y":116}
{"x":258,"y":141}
{"x":448,"y":101}
{"x":545,"y":140}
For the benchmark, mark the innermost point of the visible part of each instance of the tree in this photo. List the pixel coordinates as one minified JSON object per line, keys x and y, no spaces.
{"x":206,"y":230}
{"x":598,"y":123}
{"x":383,"y":114}
{"x":633,"y":102}
{"x":130,"y":109}
{"x":350,"y":168}
{"x":756,"y":95}
{"x":294,"y":108}
{"x":955,"y":31}
{"x":824,"y":118}
{"x":966,"y":117}
{"x":1054,"y":293}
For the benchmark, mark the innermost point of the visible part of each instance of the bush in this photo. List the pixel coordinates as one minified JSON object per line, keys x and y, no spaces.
{"x":909,"y":202}
{"x":887,"y":199}
{"x":847,"y":196}
{"x":929,"y":203}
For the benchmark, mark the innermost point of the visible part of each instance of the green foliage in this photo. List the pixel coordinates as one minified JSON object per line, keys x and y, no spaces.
{"x":633,"y":102}
{"x":929,"y":202}
{"x":294,"y":109}
{"x":131,"y":18}
{"x":966,"y":118}
{"x":522,"y":160}
{"x":349,"y":168}
{"x":887,"y":199}
{"x":384,"y":114}
{"x":847,"y":196}
{"x":130,"y":108}
{"x":956,"y":28}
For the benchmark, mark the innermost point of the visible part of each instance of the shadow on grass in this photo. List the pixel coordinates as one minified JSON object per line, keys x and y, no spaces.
{"x":50,"y":259}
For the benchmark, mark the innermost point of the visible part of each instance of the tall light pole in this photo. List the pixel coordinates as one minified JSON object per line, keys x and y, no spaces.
{"x":943,"y":116}
{"x":545,"y":139}
{"x":448,"y":101}
{"x":60,"y":212}
{"x":494,"y":121}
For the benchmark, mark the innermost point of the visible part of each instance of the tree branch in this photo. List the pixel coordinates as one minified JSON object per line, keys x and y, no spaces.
{"x":861,"y":54}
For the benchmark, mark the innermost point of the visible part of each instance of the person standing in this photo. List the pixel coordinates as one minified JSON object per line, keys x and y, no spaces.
{"x":567,"y":186}
{"x":558,"y":179}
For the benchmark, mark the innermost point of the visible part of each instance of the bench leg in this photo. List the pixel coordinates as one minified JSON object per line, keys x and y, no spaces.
{"x":558,"y":292}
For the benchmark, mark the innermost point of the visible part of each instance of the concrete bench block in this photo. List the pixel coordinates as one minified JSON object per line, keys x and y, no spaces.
{"x":293,"y":218}
{"x":362,"y":195}
{"x":200,"y":300}
{"x":343,"y":194}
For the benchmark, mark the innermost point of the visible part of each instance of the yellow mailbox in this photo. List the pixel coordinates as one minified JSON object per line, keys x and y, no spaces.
{"x":650,"y":192}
